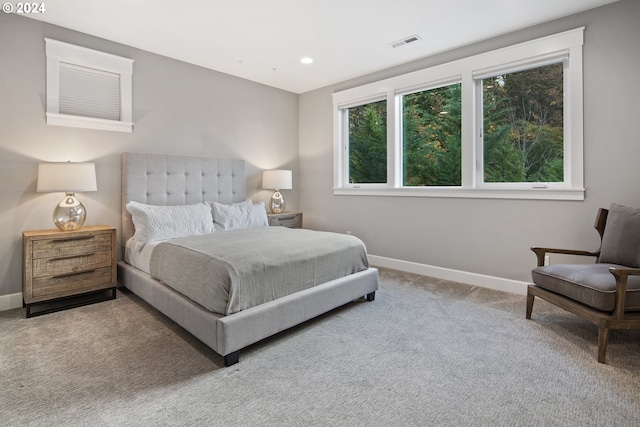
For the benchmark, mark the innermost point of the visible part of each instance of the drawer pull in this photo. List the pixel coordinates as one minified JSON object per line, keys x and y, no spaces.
{"x":73,"y":274}
{"x":71,"y":239}
{"x":73,"y":256}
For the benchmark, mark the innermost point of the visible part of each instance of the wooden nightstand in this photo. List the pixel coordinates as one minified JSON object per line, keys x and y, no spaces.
{"x":59,"y":265}
{"x":286,"y":219}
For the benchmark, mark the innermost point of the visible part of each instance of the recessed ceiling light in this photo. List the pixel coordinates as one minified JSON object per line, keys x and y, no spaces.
{"x":306,"y":60}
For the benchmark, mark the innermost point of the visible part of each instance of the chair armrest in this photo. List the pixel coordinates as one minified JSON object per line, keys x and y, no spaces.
{"x":624,"y":271}
{"x":541,"y":252}
{"x":622,"y":274}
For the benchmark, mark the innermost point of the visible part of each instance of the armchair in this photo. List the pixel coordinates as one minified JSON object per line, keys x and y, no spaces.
{"x":606,"y":293}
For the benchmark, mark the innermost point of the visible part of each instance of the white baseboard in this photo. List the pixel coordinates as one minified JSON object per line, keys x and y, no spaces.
{"x":491,"y":282}
{"x":8,"y":302}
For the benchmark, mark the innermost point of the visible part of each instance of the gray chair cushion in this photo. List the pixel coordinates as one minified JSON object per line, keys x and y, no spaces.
{"x":621,"y":239}
{"x":590,"y":284}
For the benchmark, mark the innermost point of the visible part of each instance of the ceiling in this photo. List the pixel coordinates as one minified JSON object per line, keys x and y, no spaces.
{"x":264,"y":40}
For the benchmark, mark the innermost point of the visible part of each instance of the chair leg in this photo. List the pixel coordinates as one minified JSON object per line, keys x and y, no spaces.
{"x":530,"y":299}
{"x":603,"y":337}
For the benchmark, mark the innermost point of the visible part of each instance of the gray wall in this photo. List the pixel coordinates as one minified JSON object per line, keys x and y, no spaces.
{"x":177,"y":109}
{"x":493,"y":237}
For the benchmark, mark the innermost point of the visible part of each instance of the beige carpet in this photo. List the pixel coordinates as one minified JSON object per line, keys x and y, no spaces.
{"x":425,"y":352}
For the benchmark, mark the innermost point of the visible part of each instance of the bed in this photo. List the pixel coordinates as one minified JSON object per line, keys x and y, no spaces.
{"x":153,"y":180}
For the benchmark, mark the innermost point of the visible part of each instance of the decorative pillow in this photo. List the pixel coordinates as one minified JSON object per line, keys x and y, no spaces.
{"x":238,"y":215}
{"x":258,"y":214}
{"x":167,"y":222}
{"x":230,"y":216}
{"x":621,"y":239}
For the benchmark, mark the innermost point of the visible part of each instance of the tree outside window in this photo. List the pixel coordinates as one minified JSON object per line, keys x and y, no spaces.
{"x":368,"y":143}
{"x":523,"y":126}
{"x":431,"y":137}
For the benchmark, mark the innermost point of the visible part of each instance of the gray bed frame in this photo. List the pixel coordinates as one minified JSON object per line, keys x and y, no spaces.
{"x":177,"y":180}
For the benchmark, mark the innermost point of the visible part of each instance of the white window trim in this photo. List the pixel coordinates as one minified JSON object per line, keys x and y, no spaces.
{"x":58,"y":52}
{"x":469,"y":70}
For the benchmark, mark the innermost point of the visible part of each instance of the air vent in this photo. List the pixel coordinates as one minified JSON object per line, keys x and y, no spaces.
{"x":406,"y":40}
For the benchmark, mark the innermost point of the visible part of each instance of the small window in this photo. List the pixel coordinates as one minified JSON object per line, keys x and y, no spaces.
{"x":88,"y":88}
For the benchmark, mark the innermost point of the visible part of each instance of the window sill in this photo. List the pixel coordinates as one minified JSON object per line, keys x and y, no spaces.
{"x":88,"y":122}
{"x":467,"y":193}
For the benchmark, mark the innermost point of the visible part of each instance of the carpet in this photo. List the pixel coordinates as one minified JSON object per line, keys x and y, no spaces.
{"x":425,"y":352}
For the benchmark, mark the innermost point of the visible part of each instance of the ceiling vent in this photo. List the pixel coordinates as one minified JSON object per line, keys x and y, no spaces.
{"x":406,"y":40}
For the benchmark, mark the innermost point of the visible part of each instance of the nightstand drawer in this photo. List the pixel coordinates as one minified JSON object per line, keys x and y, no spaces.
{"x":287,"y":219}
{"x":72,"y":245}
{"x":76,"y":283}
{"x":69,"y":264}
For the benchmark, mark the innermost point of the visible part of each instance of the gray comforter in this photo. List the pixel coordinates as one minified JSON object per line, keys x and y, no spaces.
{"x":230,"y":271}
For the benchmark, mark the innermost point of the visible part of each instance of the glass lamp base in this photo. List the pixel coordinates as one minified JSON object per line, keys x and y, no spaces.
{"x":277,"y":204}
{"x":69,"y":214}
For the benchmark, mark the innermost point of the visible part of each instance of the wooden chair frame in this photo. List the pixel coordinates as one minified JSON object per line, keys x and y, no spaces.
{"x":617,"y":319}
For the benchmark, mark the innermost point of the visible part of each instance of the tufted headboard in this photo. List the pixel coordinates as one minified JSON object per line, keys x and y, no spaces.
{"x":168,"y":180}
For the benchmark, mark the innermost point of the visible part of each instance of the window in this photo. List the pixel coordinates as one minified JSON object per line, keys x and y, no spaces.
{"x":81,"y":87}
{"x":87,"y":88}
{"x":431,"y":137}
{"x":523,"y":126}
{"x":367,"y":126}
{"x":503,"y":124}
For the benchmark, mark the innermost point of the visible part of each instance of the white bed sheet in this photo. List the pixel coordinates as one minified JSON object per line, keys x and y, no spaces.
{"x":139,"y":255}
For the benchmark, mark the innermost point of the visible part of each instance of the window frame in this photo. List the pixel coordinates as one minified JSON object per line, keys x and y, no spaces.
{"x":59,"y":52}
{"x":469,"y":71}
{"x":344,"y":126}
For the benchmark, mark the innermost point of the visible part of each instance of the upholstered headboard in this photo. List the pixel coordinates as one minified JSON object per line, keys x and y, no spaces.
{"x":168,"y":180}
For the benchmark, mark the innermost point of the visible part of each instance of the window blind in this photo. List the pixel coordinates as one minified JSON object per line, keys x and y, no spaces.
{"x":89,"y":92}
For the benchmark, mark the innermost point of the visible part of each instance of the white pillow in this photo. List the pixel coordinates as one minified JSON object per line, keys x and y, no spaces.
{"x":229,"y":216}
{"x":258,"y":214}
{"x":238,"y":215}
{"x":167,"y":222}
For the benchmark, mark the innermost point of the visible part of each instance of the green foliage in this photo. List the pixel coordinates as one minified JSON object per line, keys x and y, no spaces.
{"x":522,"y":134}
{"x":523,"y":126}
{"x":368,"y":143}
{"x":431,"y":137}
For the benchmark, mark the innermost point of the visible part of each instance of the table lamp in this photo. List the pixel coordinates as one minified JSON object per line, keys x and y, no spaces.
{"x":277,"y":180}
{"x":68,"y":177}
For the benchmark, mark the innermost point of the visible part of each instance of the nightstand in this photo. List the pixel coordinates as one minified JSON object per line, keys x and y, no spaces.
{"x":70,"y":266}
{"x":286,"y":219}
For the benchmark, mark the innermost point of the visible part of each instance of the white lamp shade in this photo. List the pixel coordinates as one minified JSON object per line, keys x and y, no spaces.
{"x":279,"y":179}
{"x":66,"y":177}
